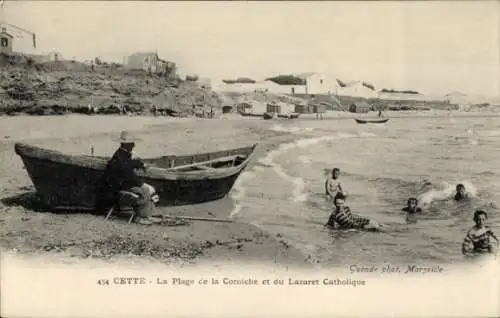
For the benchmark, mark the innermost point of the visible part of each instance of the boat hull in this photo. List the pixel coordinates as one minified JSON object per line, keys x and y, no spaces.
{"x":289,"y":116}
{"x":362,"y":121}
{"x":268,"y":116}
{"x":72,"y":181}
{"x":251,"y":114}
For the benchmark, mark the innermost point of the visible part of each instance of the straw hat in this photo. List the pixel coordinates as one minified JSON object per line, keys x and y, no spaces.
{"x":127,"y":137}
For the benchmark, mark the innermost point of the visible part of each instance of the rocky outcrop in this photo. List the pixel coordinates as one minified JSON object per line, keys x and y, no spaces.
{"x":68,"y":86}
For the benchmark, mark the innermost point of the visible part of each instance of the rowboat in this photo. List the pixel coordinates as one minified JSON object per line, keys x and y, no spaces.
{"x":269,"y":115}
{"x":289,"y":116}
{"x":244,"y":114}
{"x":63,"y":180}
{"x":376,"y":121}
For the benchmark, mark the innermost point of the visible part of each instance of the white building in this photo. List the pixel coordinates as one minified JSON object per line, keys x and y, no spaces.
{"x":358,"y":89}
{"x":401,"y":96}
{"x":284,"y":108}
{"x":267,"y":86}
{"x":261,"y":86}
{"x":142,"y":61}
{"x":320,"y":83}
{"x":149,"y":61}
{"x":250,"y":106}
{"x":283,"y":89}
{"x":54,"y":56}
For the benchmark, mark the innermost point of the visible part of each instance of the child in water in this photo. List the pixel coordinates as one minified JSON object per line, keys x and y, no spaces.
{"x":461,"y":194}
{"x":343,"y":217}
{"x":477,"y":240}
{"x":411,"y":210}
{"x":333,"y":185}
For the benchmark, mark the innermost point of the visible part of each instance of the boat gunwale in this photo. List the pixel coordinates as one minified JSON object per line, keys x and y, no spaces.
{"x":244,"y":114}
{"x":154,"y":173}
{"x":368,"y":121}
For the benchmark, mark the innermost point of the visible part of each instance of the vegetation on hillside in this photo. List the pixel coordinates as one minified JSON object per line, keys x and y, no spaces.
{"x":240,"y":80}
{"x":287,"y":80}
{"x":192,"y":78}
{"x":385,"y":90}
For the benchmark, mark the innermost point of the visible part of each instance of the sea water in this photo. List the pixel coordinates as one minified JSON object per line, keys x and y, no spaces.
{"x":382,"y":165}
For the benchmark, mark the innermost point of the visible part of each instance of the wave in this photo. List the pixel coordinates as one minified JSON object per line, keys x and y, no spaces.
{"x":239,"y":190}
{"x":293,"y":130}
{"x":446,"y":190}
{"x":434,"y":197}
{"x":298,"y":194}
{"x":236,"y":210}
{"x":486,"y":173}
{"x":428,"y":193}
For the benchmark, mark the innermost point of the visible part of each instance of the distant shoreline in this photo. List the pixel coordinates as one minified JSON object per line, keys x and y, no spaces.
{"x":329,"y":115}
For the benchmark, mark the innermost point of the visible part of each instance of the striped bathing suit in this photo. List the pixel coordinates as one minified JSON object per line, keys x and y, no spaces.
{"x":346,"y":220}
{"x":478,"y":241}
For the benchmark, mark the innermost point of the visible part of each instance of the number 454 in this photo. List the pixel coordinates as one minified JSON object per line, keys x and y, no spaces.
{"x":103,"y":282}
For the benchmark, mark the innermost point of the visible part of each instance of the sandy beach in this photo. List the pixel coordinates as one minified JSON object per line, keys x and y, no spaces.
{"x":89,"y":236}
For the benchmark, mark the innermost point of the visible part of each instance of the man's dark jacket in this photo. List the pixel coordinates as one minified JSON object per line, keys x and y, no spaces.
{"x":118,"y":175}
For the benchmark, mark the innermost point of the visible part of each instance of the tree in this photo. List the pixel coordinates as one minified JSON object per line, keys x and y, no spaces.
{"x":385,"y":90}
{"x":192,"y":78}
{"x":243,"y":80}
{"x":287,"y":80}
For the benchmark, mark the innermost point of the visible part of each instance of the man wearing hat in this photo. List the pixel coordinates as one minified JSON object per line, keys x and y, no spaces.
{"x":120,"y":182}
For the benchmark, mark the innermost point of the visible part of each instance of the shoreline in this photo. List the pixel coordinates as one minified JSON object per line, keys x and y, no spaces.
{"x":84,"y":236}
{"x":329,"y":115}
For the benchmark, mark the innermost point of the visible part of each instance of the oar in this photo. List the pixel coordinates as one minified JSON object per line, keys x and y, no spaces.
{"x":77,"y":208}
{"x":195,"y":218}
{"x":71,"y":208}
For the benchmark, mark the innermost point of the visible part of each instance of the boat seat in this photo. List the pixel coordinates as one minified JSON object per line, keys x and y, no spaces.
{"x":124,"y":205}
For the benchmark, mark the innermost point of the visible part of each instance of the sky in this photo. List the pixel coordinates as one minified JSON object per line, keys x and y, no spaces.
{"x":431,"y":47}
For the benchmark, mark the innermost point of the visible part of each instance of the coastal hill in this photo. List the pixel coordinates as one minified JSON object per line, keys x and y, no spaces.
{"x":58,"y":87}
{"x":66,"y":86}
